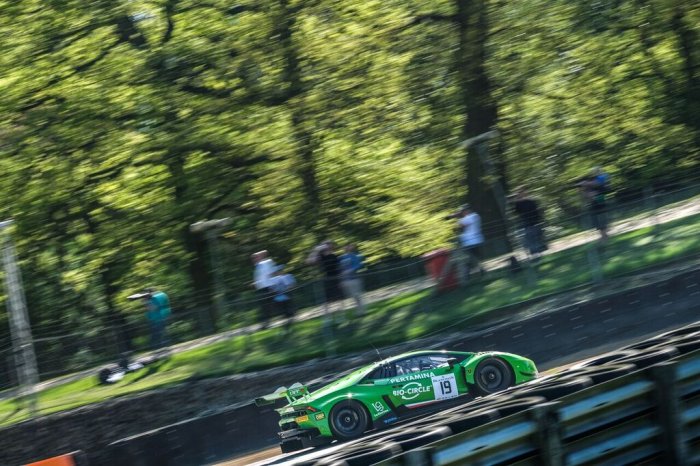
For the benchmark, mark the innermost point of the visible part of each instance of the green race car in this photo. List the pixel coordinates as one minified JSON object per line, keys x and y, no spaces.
{"x":384,"y":392}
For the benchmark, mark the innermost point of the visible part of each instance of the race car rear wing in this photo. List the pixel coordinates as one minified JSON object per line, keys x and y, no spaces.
{"x":292,"y":394}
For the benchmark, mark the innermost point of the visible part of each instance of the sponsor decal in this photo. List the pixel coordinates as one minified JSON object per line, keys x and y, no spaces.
{"x":389,"y":420}
{"x":302,"y":419}
{"x":319,"y":416}
{"x":297,"y":392}
{"x":411,"y":377}
{"x":378,"y":407}
{"x":412,"y":390}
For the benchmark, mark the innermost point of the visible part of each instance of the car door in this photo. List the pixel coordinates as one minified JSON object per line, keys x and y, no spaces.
{"x":411,"y":387}
{"x":447,"y":380}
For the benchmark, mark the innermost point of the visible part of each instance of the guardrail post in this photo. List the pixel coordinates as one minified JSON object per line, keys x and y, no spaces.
{"x":418,"y":457}
{"x":669,"y":414}
{"x":546,"y":416}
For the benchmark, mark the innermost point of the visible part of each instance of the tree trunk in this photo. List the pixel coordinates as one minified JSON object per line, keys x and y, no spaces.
{"x":687,"y":47}
{"x":304,"y":137}
{"x":200,"y":275}
{"x":201,"y":278}
{"x":480,"y":110}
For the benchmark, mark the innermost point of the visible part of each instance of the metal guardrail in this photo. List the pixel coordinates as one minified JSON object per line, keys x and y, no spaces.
{"x":651,"y":416}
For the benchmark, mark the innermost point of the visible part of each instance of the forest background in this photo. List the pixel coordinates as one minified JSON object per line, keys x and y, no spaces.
{"x":122,"y":122}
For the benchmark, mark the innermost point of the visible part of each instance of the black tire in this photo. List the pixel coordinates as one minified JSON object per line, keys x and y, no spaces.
{"x":687,"y":346}
{"x":360,"y":455}
{"x":421,"y":423}
{"x":605,"y":358}
{"x":492,"y":375}
{"x":650,"y":357}
{"x":409,"y":439}
{"x":509,"y":407}
{"x":348,"y":420}
{"x":645,"y":344}
{"x":459,"y":422}
{"x":554,"y":389}
{"x":290,"y":445}
{"x":682,"y":332}
{"x":600,"y":374}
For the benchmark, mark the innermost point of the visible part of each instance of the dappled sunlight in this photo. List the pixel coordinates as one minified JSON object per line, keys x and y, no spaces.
{"x":394,"y":320}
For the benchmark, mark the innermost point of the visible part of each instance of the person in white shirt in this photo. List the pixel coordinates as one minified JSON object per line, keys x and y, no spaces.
{"x":470,"y":237}
{"x":262,"y":281}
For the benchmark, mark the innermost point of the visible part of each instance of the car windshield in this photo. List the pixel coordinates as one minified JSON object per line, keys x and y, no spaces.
{"x":406,"y":365}
{"x":419,"y":363}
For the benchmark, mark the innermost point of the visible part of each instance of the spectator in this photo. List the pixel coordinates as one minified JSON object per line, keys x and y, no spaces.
{"x":324,"y":257}
{"x":594,"y":189}
{"x":351,"y":283}
{"x":158,"y":312}
{"x":531,"y":222}
{"x":281,"y":284}
{"x":264,"y":268}
{"x":470,"y":238}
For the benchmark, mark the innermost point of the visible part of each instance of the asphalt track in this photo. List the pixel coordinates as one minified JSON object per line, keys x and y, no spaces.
{"x":272,"y":456}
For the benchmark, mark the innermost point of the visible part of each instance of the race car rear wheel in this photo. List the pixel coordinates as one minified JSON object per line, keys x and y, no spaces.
{"x":493,"y":375}
{"x":348,"y":420}
{"x":290,"y":445}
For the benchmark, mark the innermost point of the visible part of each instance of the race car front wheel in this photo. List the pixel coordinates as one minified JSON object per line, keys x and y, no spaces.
{"x":348,"y":420}
{"x":493,"y":375}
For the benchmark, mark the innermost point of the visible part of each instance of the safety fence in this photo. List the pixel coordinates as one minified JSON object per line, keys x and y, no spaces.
{"x":648,"y":239}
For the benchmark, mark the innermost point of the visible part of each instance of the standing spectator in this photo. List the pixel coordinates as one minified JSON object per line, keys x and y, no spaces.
{"x":595,"y":189}
{"x":264,"y":268}
{"x":531,"y":222}
{"x":471,"y":238}
{"x":324,"y":257}
{"x":351,"y":283}
{"x":157,"y":313}
{"x":282,"y":284}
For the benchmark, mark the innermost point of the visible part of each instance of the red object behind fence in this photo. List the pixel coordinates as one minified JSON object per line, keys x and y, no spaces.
{"x":435,"y":264}
{"x":76,"y":458}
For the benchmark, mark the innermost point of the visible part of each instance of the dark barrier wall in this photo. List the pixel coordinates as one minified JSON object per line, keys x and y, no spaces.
{"x":196,"y":441}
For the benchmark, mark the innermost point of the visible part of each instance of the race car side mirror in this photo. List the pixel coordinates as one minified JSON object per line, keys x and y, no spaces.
{"x":452,"y":362}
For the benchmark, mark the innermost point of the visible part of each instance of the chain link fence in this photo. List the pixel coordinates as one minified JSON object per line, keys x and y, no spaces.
{"x":404,"y":299}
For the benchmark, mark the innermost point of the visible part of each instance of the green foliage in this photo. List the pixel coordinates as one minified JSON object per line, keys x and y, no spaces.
{"x":122,"y":122}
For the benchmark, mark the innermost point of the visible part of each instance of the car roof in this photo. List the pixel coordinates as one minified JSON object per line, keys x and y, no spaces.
{"x":424,"y":352}
{"x":420,"y":353}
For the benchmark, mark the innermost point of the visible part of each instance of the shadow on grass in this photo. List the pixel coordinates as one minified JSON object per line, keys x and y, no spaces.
{"x":18,"y":409}
{"x":151,"y":369}
{"x":422,"y":313}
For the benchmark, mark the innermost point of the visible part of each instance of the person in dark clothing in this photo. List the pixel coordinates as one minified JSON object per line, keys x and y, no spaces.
{"x":330,"y":265}
{"x":325,"y":258}
{"x":531,"y":221}
{"x":594,"y":190}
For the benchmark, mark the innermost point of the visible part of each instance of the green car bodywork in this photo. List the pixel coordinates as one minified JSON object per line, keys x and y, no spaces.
{"x":387,"y":391}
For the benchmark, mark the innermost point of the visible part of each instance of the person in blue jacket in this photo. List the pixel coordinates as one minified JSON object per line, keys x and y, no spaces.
{"x":157,"y":313}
